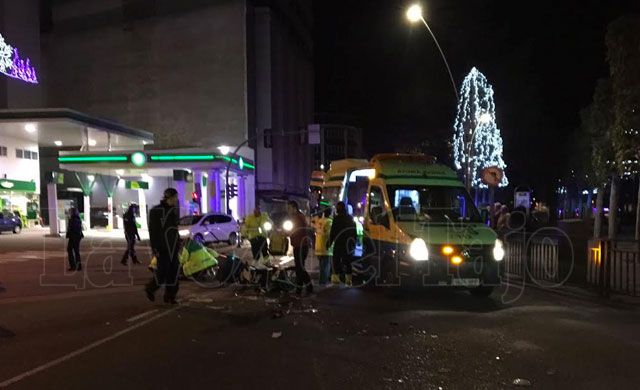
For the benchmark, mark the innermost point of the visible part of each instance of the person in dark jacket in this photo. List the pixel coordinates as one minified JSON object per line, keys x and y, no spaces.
{"x":300,"y":241}
{"x":74,"y":235}
{"x":165,"y":244}
{"x":130,"y":234}
{"x":343,"y":237}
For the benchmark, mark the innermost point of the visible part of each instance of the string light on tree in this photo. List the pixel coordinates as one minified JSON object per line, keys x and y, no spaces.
{"x":477,"y":143}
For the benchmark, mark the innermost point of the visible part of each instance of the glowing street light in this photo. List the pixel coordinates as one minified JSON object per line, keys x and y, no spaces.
{"x":414,"y":13}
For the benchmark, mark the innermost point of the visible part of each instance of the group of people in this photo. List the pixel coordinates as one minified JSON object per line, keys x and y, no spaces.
{"x":500,"y":216}
{"x":333,"y":239}
{"x":163,"y":238}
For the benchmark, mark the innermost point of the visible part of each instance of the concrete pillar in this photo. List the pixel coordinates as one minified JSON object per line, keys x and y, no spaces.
{"x":204,"y":192}
{"x":197,"y":186}
{"x":52,"y":203}
{"x":110,"y":213}
{"x":142,"y":204}
{"x":216,"y":199}
{"x":87,"y":212}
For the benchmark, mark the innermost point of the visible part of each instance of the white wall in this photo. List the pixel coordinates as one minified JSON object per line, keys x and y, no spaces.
{"x":19,"y":168}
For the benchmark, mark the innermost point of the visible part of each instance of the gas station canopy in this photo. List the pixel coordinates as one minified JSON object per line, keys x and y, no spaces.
{"x":59,"y":127}
{"x":155,"y":162}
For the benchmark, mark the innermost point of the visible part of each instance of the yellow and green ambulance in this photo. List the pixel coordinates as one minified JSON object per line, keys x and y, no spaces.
{"x":421,"y":227}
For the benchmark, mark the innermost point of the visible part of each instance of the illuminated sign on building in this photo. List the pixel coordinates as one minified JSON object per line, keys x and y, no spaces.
{"x":13,"y":66}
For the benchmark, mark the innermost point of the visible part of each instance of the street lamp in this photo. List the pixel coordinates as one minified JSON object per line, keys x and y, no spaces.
{"x":415,"y":15}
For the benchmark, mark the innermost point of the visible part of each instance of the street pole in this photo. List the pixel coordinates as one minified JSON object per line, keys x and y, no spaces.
{"x":235,"y":155}
{"x":444,"y":59}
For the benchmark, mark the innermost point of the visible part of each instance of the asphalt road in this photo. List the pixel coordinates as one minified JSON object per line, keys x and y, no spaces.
{"x":97,"y":330}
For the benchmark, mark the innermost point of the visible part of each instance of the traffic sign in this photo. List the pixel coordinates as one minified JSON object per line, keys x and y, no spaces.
{"x":492,"y":176}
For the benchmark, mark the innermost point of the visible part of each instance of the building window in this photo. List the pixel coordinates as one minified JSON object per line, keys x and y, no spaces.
{"x":34,"y":155}
{"x":26,"y":154}
{"x":19,"y":153}
{"x":268,"y":138}
{"x":3,"y":151}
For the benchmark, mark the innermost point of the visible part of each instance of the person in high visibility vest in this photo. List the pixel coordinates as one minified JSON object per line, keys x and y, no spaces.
{"x":255,"y":228}
{"x":323,"y":228}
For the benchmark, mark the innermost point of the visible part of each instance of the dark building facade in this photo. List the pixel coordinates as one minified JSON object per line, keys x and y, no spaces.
{"x":197,"y":73}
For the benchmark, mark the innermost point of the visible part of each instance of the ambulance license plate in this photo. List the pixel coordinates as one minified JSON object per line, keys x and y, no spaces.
{"x":465,"y":282}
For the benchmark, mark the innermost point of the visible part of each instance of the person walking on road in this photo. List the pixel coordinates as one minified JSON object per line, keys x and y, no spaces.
{"x":323,"y":253}
{"x":300,"y":241}
{"x":165,"y":244}
{"x":343,"y":236}
{"x":255,"y":228}
{"x":74,"y":236}
{"x":130,"y":234}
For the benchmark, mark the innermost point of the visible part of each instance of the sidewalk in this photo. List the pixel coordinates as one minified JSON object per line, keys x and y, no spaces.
{"x":582,"y":292}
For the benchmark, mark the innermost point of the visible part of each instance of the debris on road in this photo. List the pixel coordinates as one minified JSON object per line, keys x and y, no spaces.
{"x":201,"y":300}
{"x":341,"y":339}
{"x":551,"y":371}
{"x":444,"y":370}
{"x":276,"y":335}
{"x":521,"y":382}
{"x":216,"y":307}
{"x":434,"y":336}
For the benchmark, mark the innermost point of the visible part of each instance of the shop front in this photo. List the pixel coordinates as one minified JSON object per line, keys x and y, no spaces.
{"x":17,"y":196}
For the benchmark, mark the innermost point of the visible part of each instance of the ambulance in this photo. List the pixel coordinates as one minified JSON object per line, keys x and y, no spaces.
{"x":422,"y":228}
{"x":342,"y":178}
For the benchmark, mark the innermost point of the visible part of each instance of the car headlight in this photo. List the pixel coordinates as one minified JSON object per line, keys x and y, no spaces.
{"x":418,"y":250}
{"x":498,"y":251}
{"x":184,"y":232}
{"x":267,"y":226}
{"x":287,"y":226}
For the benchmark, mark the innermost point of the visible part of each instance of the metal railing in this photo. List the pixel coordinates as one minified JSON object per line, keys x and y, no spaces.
{"x":613,"y":266}
{"x":533,"y":258}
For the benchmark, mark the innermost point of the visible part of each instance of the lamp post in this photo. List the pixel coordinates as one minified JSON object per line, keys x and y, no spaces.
{"x":414,"y":14}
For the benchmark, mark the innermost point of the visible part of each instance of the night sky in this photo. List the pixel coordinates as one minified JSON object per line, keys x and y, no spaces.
{"x":542,"y":58}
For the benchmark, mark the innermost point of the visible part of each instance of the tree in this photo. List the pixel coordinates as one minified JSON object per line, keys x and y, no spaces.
{"x":623,"y":51}
{"x":477,"y":142}
{"x":597,"y":159}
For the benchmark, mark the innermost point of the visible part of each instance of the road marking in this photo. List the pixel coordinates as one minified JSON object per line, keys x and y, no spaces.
{"x":82,"y":350}
{"x":142,"y":315}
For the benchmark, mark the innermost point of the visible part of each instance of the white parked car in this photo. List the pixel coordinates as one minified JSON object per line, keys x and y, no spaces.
{"x":210,"y":228}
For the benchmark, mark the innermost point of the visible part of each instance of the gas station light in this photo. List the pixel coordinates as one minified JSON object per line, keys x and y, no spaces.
{"x":138,"y":159}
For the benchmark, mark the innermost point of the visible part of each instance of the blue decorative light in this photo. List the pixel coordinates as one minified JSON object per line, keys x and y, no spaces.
{"x":13,"y":66}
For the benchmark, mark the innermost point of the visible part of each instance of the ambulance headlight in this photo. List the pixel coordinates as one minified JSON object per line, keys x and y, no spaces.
{"x":184,"y":232}
{"x":287,"y":226}
{"x":267,"y":226}
{"x":418,"y":250}
{"x":498,"y":250}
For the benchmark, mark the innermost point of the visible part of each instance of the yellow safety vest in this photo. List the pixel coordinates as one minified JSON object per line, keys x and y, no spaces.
{"x":254,"y":226}
{"x":323,"y":229}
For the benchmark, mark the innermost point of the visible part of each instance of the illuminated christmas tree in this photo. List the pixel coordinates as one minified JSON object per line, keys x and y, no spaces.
{"x":477,"y":142}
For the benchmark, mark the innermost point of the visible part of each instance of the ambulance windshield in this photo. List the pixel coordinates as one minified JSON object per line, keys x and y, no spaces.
{"x":433,"y":204}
